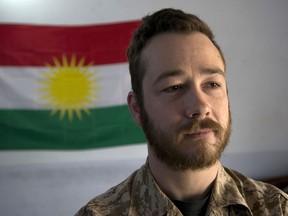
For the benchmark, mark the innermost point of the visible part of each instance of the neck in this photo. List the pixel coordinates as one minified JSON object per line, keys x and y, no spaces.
{"x":182,"y":185}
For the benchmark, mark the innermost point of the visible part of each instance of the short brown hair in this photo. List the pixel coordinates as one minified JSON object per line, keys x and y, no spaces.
{"x":163,"y":21}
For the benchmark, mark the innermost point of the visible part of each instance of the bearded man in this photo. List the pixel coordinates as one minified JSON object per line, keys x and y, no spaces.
{"x":179,"y":98}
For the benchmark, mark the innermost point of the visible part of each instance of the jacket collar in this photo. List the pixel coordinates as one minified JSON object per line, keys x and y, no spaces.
{"x":152,"y":200}
{"x":227,"y":191}
{"x":148,"y":199}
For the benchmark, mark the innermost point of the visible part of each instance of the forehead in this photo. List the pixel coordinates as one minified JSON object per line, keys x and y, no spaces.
{"x":180,"y":51}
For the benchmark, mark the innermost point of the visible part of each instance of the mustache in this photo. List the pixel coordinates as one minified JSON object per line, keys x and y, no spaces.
{"x":194,"y":126}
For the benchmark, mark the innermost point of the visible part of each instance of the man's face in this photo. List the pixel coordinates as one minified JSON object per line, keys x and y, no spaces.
{"x":186,"y":115}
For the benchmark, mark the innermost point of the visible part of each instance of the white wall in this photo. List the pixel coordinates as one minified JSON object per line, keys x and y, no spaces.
{"x":253,"y":36}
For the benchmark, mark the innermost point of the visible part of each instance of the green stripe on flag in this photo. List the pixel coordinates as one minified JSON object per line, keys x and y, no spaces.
{"x":37,"y":129}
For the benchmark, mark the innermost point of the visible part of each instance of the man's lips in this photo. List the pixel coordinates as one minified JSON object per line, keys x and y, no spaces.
{"x":202,"y":133}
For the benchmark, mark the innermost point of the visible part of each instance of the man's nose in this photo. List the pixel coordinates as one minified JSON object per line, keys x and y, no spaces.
{"x":197,"y":104}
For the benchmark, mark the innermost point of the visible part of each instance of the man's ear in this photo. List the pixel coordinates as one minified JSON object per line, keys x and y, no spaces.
{"x":134,"y":107}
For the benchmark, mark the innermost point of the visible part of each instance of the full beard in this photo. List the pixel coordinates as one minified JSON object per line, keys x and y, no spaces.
{"x":180,"y":156}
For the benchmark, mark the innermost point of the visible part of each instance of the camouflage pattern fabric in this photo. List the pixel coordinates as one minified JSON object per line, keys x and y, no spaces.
{"x":232,"y":194}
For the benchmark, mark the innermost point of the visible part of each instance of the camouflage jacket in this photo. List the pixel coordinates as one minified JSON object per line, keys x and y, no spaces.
{"x":232,"y":194}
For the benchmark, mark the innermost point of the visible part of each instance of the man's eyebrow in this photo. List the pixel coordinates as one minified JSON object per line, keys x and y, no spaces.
{"x":167,"y":74}
{"x":210,"y":71}
{"x":174,"y":73}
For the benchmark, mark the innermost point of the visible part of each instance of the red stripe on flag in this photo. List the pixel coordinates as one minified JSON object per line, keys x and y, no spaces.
{"x":32,"y":45}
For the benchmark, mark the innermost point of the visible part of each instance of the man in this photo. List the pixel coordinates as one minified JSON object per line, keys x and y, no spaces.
{"x":180,"y":100}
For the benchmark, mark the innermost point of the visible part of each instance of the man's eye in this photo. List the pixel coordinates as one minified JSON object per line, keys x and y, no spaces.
{"x":173,"y":88}
{"x":214,"y":85}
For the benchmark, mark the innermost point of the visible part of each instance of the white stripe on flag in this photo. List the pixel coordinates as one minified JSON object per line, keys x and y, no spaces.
{"x":19,"y":86}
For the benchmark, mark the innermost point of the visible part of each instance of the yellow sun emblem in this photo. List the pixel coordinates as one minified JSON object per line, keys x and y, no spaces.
{"x":69,"y":87}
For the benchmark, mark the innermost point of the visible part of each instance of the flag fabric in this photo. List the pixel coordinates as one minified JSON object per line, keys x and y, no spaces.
{"x":65,"y":87}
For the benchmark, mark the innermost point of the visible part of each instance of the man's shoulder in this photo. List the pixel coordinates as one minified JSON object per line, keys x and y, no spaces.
{"x":116,"y":200}
{"x":258,"y":194}
{"x":249,"y":185}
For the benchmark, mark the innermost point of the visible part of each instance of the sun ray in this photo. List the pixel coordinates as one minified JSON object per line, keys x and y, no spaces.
{"x":65,"y":62}
{"x":87,"y":111}
{"x":47,"y":98}
{"x":96,"y":88}
{"x":90,"y":76}
{"x":55,"y":109}
{"x":80,"y":63}
{"x":73,"y":61}
{"x":51,"y":69}
{"x":86,"y":68}
{"x":57,"y":63}
{"x":70,"y":113}
{"x":53,"y":112}
{"x":62,"y":113}
{"x":78,"y":113}
{"x":89,"y":102}
{"x":45,"y":82}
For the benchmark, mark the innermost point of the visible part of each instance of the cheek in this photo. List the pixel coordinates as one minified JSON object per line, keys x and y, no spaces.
{"x":223,"y":113}
{"x":160,"y":114}
{"x":155,"y":112}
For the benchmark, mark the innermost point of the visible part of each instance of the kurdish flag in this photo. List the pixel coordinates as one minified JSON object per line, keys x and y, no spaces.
{"x":65,"y":87}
